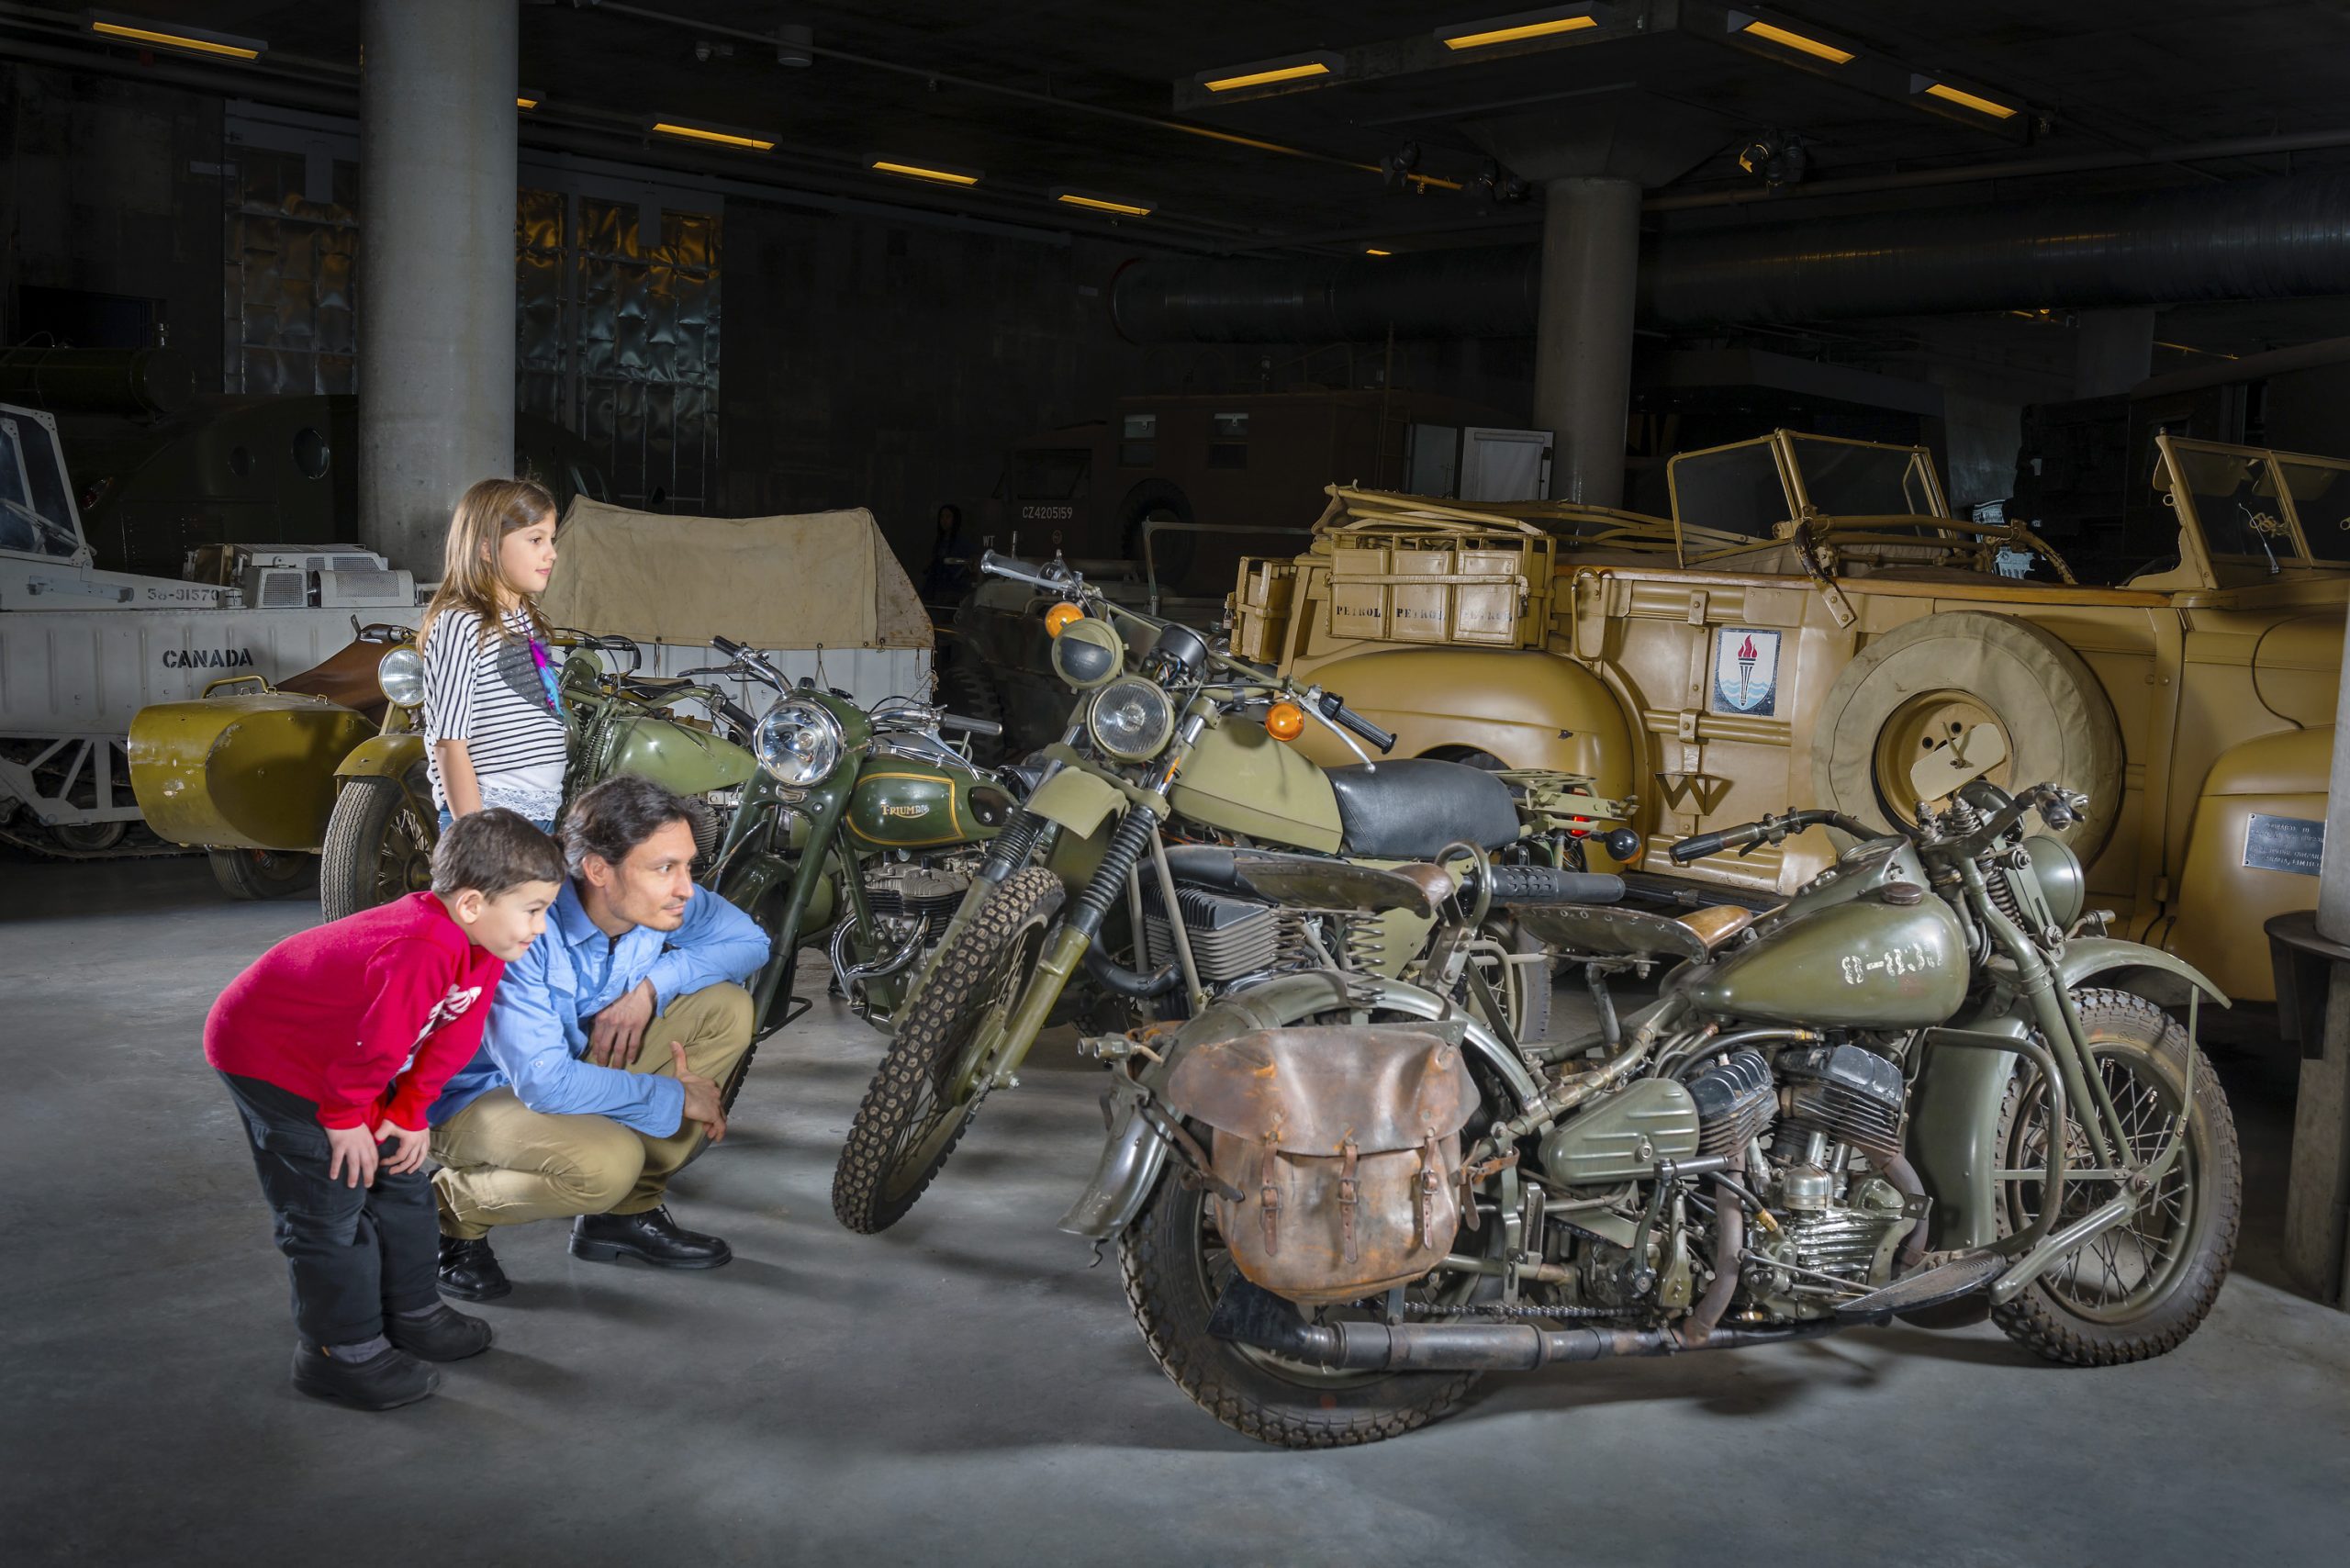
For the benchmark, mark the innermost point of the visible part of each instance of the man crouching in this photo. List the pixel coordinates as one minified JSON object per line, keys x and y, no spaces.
{"x":601,"y":1068}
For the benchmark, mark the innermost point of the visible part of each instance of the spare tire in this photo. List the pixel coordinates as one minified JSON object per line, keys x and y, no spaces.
{"x":1923,"y":682}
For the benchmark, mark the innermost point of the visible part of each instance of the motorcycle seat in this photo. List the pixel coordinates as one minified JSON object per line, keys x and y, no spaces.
{"x":1718,"y":924}
{"x":1410,"y":810}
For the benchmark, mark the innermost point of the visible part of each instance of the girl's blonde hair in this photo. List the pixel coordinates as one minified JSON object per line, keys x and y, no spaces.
{"x":485,"y":514}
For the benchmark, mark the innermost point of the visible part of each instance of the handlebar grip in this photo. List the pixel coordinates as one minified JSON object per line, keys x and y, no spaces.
{"x":1702,"y":844}
{"x":1335,"y":709}
{"x":1549,"y":885}
{"x":728,"y":647}
{"x":1008,"y":567}
{"x":971,"y":726}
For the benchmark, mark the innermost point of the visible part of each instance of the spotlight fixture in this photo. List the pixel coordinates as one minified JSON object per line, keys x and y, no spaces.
{"x":193,"y":40}
{"x":724,"y":136}
{"x":1976,"y":102}
{"x":1271,"y":72}
{"x":1776,"y":158}
{"x":1745,"y":24}
{"x":1518,"y":27}
{"x":1100,"y":203}
{"x":791,"y":41}
{"x":937,"y":174}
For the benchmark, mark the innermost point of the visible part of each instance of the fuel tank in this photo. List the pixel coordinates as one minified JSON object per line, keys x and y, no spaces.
{"x":1865,"y":962}
{"x":1241,"y":779}
{"x":902,"y":803}
{"x":683,"y":758}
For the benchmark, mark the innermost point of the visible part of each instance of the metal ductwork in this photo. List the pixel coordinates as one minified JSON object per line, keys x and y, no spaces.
{"x":2267,"y":239}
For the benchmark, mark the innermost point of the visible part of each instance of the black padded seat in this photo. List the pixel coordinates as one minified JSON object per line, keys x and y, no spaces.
{"x":1409,"y":809}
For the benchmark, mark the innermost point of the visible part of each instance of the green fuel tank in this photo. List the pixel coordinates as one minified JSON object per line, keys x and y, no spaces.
{"x":1867,"y":962}
{"x":683,"y":758}
{"x":904,"y":803}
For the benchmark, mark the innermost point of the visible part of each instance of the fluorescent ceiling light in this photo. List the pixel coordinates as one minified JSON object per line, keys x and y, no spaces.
{"x":1102,"y":204}
{"x":528,"y":99}
{"x":1374,"y":250}
{"x":926,"y":172}
{"x":1962,"y":98}
{"x":195,"y":40}
{"x":1518,"y":27}
{"x":1265,"y":73}
{"x":712,"y":133}
{"x":1771,"y":32}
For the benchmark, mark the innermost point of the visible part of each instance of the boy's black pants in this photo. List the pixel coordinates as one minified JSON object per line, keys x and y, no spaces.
{"x":355,"y":1252}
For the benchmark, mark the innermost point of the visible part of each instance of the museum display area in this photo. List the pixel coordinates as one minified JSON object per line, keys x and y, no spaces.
{"x":1365,"y":785}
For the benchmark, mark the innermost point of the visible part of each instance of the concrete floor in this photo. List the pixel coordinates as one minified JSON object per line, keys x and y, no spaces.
{"x":965,"y":1389}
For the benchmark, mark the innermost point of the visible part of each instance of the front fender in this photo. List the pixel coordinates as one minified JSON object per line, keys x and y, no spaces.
{"x":1076,"y":799}
{"x":2155,"y":975}
{"x":1135,"y":1151}
{"x":383,"y":756}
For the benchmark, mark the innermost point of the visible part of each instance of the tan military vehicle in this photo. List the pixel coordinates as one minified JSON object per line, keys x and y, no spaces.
{"x":1812,"y":621}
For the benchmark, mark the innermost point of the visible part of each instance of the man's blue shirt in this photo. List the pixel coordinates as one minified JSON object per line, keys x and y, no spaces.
{"x":537,"y":1036}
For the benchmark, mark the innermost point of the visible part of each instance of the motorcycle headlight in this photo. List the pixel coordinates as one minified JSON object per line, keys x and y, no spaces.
{"x":401,"y":675}
{"x":1131,"y":719}
{"x":2058,"y":871}
{"x":798,"y":742}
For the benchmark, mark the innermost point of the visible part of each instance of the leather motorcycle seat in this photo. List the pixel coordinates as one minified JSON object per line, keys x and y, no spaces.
{"x":1717,"y":923}
{"x":1410,"y":810}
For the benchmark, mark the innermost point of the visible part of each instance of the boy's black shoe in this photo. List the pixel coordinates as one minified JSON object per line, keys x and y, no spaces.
{"x":469,"y":1271}
{"x":650,"y":1237}
{"x":444,"y":1334}
{"x":384,"y":1381}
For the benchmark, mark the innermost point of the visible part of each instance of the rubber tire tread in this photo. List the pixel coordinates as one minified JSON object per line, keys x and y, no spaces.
{"x":2034,"y":1321}
{"x":234,"y":873}
{"x":1153,"y":1257}
{"x":960,"y":970}
{"x":364,"y":809}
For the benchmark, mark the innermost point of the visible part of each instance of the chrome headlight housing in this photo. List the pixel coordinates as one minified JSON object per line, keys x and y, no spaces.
{"x":401,"y":675}
{"x":798,"y":742}
{"x":1131,"y":719}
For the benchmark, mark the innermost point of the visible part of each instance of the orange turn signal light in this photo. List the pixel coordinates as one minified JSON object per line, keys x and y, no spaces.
{"x":1057,"y":618}
{"x":1284,"y":721}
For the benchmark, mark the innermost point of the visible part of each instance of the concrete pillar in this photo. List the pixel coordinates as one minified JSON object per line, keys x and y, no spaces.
{"x":1582,"y":345}
{"x":436,"y":265}
{"x":2114,"y":353}
{"x":2317,"y":1195}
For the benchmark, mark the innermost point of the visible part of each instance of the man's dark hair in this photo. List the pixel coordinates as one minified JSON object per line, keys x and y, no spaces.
{"x":493,"y":852}
{"x":616,"y":816}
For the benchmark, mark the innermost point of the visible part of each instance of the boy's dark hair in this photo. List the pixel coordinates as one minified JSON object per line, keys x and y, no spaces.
{"x":616,"y":816}
{"x":493,"y":852}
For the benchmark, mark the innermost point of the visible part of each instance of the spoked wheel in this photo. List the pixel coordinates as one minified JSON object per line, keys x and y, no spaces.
{"x":378,"y":848}
{"x":261,"y":873}
{"x":1177,"y":1267}
{"x":931,"y":1082}
{"x":2141,"y":1288}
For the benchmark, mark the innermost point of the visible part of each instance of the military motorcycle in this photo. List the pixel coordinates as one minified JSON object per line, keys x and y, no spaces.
{"x":1277,"y":864}
{"x":815,"y":817}
{"x":1927,"y":1088}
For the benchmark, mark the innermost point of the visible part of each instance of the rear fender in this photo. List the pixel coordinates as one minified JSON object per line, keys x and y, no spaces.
{"x":1135,"y":1151}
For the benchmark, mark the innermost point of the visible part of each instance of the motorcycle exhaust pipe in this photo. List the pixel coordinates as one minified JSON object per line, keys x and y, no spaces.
{"x":1249,"y":1315}
{"x":854,"y":975}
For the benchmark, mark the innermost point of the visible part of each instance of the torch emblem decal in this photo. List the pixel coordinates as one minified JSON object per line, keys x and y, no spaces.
{"x":1746,"y":671}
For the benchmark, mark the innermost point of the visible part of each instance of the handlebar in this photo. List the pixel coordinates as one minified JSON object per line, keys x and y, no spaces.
{"x":1334,"y":708}
{"x":1768,"y":830}
{"x":969,"y":726}
{"x":1013,"y":569}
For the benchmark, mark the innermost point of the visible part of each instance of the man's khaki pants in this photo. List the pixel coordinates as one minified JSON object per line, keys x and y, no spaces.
{"x":502,"y":1163}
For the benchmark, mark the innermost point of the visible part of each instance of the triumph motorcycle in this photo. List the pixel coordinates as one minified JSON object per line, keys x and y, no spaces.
{"x":1406,"y":870}
{"x":1927,"y":1088}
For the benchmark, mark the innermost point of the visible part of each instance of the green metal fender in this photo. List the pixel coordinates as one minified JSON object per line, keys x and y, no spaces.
{"x":1955,"y":1115}
{"x":2170,"y":982}
{"x":1076,"y":799}
{"x":383,"y":756}
{"x":1135,"y":1151}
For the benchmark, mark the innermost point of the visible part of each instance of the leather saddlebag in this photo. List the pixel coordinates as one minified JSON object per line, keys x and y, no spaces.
{"x":1343,"y":1142}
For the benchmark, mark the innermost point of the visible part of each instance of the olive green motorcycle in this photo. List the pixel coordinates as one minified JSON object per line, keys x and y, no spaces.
{"x":1927,"y":1088}
{"x":1277,"y":864}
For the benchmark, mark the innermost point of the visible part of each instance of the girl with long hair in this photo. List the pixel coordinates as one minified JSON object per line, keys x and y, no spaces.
{"x":493,"y":714}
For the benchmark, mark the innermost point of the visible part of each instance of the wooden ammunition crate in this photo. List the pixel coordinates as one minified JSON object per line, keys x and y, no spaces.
{"x":1440,"y":584}
{"x":1260,"y":610}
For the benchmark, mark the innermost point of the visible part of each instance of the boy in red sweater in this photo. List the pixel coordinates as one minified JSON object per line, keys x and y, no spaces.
{"x":334,"y":1044}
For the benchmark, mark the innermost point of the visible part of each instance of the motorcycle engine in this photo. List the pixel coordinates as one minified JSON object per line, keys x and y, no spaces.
{"x":903,"y":891}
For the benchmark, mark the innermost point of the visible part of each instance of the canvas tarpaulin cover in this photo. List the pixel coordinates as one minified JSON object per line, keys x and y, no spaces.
{"x":822,"y":578}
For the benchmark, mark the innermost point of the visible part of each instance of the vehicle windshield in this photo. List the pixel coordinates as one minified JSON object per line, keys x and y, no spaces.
{"x":2234,"y":496}
{"x":36,"y":514}
{"x":1847,"y":479}
{"x":1732,"y":489}
{"x":2320,"y":493}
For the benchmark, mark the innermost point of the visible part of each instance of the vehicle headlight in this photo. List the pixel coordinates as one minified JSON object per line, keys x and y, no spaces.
{"x":2058,"y":871}
{"x":1131,"y":719}
{"x":401,"y":675}
{"x":798,"y":742}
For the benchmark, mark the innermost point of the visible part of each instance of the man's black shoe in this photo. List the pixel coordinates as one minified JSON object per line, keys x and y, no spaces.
{"x":384,"y":1381}
{"x":469,"y":1271}
{"x":444,"y":1334}
{"x":651,"y":1238}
